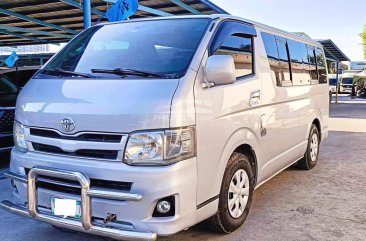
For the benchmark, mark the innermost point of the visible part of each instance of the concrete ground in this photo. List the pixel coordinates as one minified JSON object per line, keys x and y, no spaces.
{"x":326,"y":203}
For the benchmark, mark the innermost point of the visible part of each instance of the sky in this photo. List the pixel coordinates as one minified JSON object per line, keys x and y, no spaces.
{"x":339,"y":20}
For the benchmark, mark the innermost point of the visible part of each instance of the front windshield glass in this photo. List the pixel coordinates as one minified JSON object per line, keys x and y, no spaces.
{"x":332,"y":81}
{"x":347,"y":81}
{"x":159,"y":46}
{"x":7,"y":87}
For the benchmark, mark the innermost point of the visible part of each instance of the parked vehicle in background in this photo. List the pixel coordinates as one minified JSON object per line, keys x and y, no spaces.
{"x":347,"y":81}
{"x":150,"y":126}
{"x":9,"y":88}
{"x":333,"y":82}
{"x":8,"y":93}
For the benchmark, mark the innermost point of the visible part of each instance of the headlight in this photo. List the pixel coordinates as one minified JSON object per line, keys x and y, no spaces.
{"x":19,"y":137}
{"x":160,"y":147}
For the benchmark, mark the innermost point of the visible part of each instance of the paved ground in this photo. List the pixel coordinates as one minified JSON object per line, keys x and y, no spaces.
{"x":326,"y":203}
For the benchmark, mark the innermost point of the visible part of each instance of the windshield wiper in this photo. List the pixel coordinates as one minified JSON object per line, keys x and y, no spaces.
{"x":61,"y":71}
{"x":125,"y":72}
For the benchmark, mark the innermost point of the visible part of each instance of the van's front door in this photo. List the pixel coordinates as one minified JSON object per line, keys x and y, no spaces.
{"x":224,"y":110}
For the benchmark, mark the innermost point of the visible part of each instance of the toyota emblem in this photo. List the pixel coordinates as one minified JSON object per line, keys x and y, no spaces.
{"x":67,"y":124}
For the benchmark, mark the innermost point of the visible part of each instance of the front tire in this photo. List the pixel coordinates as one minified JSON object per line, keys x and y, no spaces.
{"x":312,"y":152}
{"x":235,"y":196}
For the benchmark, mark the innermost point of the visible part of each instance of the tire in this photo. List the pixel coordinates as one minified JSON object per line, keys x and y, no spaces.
{"x":227,"y":220}
{"x":330,"y":96}
{"x":311,"y":156}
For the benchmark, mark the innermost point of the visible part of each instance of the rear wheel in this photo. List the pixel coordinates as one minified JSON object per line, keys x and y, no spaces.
{"x":312,"y":152}
{"x":235,"y":196}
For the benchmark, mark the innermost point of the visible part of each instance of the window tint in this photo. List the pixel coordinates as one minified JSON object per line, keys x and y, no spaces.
{"x":306,"y":64}
{"x":296,"y":62}
{"x":322,"y":72}
{"x":241,"y":49}
{"x":300,"y":66}
{"x":270,"y":45}
{"x":285,"y":75}
{"x":293,"y":62}
{"x":312,"y":63}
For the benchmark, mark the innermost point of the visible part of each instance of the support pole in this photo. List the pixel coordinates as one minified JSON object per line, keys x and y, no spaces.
{"x":337,"y":86}
{"x":87,"y":13}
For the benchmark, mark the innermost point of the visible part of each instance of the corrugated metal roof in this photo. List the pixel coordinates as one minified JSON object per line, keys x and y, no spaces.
{"x":332,"y":51}
{"x":67,"y":19}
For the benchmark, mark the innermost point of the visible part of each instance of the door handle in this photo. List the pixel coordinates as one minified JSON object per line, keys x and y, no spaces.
{"x":255,"y":98}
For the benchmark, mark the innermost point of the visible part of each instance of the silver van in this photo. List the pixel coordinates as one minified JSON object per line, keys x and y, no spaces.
{"x":146,"y":127}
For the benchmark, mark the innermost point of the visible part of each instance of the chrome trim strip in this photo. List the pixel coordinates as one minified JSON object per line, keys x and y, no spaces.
{"x":77,"y":226}
{"x":114,"y":195}
{"x":72,"y":145}
{"x":104,"y":194}
{"x":16,"y":177}
{"x":27,"y":128}
{"x":7,"y":108}
{"x":5,"y":149}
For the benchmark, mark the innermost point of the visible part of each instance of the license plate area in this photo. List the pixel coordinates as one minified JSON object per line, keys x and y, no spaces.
{"x":83,"y":208}
{"x":66,"y":207}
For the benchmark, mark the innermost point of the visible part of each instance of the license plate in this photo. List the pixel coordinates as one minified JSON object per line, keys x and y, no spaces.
{"x":66,"y":207}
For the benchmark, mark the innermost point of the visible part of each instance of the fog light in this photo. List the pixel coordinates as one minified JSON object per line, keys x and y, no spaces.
{"x":163,"y":207}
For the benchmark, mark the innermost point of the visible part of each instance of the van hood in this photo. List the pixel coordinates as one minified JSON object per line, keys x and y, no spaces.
{"x":102,"y":105}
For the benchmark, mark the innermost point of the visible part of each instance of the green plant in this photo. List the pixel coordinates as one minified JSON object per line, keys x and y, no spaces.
{"x":363,"y":36}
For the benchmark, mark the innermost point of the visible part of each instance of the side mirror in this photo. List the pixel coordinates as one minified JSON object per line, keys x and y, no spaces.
{"x":220,"y":70}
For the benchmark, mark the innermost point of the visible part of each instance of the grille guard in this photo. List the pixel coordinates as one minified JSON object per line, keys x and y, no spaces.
{"x":86,"y":224}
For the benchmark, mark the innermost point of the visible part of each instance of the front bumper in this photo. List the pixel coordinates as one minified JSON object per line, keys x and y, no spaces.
{"x":133,"y":208}
{"x":87,"y":193}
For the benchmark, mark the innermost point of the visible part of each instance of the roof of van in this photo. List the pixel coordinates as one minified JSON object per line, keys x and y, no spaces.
{"x":348,"y":75}
{"x":273,"y":30}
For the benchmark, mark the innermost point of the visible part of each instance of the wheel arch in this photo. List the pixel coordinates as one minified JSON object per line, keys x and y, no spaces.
{"x":247,"y":150}
{"x":244,"y":141}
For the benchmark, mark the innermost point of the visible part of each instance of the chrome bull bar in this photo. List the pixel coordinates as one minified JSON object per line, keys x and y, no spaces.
{"x":86,"y":224}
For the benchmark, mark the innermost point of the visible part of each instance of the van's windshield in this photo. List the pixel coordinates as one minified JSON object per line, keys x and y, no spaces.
{"x":332,"y":81}
{"x":347,"y":81}
{"x":157,"y":47}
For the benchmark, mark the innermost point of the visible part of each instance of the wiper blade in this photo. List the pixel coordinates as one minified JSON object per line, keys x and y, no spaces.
{"x":72,"y":73}
{"x":125,"y":72}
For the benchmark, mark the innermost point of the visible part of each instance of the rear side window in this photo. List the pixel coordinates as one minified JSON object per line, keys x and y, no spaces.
{"x":299,"y":63}
{"x":241,"y":49}
{"x":296,"y":62}
{"x":312,"y":63}
{"x":293,"y":62}
{"x":270,"y":45}
{"x":285,"y":76}
{"x":321,"y":64}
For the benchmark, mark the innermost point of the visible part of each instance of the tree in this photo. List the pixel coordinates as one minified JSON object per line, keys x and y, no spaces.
{"x":363,"y":36}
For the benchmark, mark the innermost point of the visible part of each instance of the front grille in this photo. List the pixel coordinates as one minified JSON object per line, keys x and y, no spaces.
{"x":73,"y":187}
{"x":96,"y":137}
{"x":7,"y":121}
{"x":100,"y":154}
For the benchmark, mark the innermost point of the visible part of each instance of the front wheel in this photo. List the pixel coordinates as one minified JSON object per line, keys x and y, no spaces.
{"x":312,"y":152}
{"x":235,"y":196}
